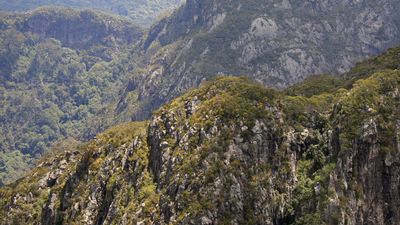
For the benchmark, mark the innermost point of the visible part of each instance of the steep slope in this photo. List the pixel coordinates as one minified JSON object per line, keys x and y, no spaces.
{"x":230,"y":152}
{"x":145,"y":12}
{"x":277,"y":43}
{"x":59,"y":69}
{"x":81,"y":30}
{"x":57,"y":89}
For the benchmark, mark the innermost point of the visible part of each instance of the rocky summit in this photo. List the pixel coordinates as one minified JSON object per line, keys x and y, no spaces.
{"x":234,"y":152}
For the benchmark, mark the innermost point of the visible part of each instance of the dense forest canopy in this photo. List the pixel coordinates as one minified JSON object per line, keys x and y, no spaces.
{"x":58,"y":80}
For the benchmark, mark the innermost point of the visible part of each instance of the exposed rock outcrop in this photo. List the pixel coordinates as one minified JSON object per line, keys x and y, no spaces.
{"x":231,"y":152}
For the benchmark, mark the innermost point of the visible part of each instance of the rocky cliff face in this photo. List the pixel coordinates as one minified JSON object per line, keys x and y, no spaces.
{"x":277,"y":43}
{"x":231,"y":152}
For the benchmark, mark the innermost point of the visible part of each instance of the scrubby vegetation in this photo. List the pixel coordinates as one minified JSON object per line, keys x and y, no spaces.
{"x":315,"y":85}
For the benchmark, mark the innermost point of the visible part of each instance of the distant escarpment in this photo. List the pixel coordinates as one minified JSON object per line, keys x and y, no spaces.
{"x":277,"y":43}
{"x":233,"y":152}
{"x":75,"y":29}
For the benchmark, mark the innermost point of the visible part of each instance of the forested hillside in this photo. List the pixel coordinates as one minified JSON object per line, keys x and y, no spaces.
{"x":144,"y":12}
{"x":278,"y":112}
{"x":58,"y":72}
{"x":234,"y":152}
{"x":70,"y":73}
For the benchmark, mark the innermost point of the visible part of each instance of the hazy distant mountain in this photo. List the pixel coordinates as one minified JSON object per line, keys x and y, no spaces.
{"x":144,"y":12}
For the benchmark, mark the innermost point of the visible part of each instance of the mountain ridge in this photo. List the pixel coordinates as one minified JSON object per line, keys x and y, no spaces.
{"x":61,"y":88}
{"x":232,"y":152}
